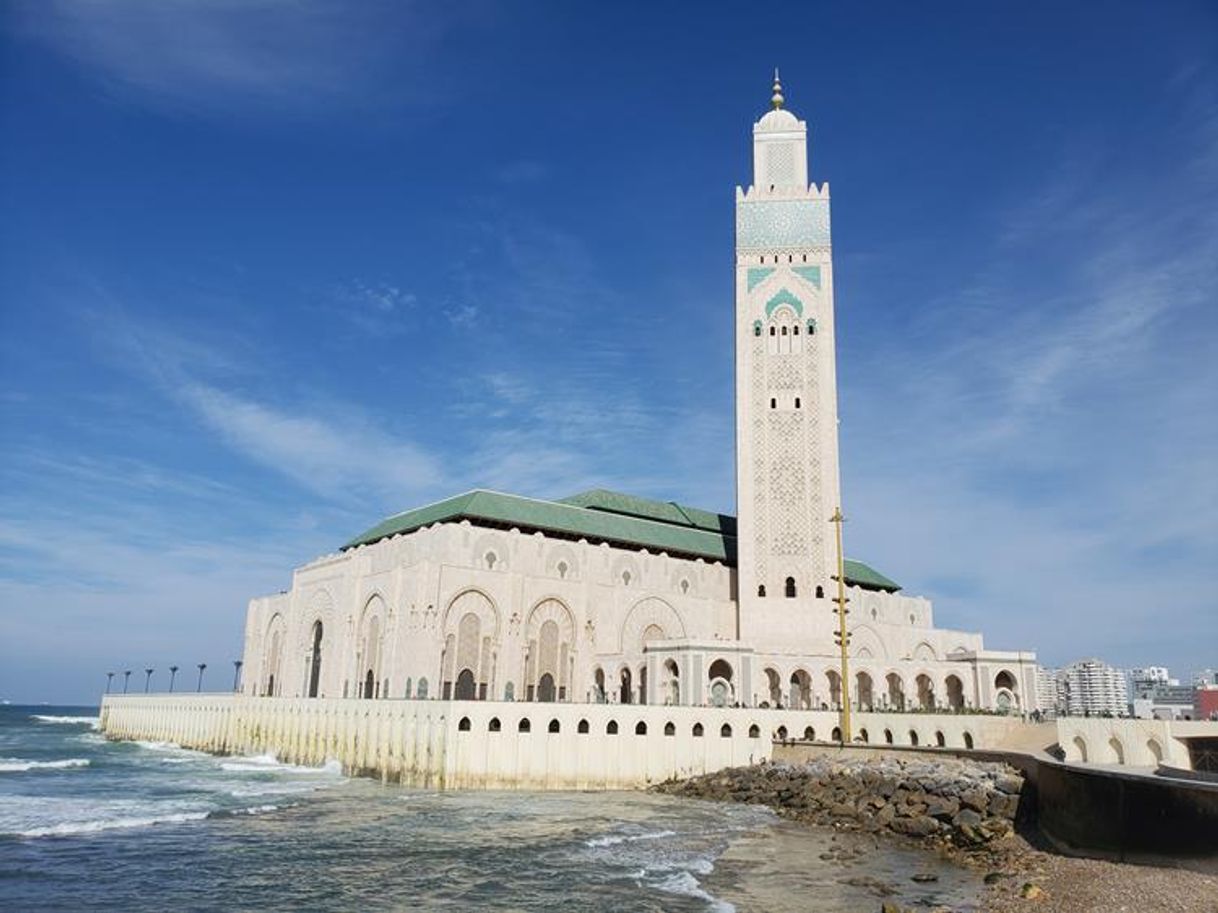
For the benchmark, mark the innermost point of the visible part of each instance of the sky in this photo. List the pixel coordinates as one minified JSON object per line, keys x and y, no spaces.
{"x":271,"y":271}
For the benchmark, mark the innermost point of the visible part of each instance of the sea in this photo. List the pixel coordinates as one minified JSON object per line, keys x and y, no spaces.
{"x":88,"y":824}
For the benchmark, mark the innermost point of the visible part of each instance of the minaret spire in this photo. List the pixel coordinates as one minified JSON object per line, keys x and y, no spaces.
{"x":776,"y":99}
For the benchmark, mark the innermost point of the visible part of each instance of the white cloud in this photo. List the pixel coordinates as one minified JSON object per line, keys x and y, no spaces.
{"x":336,"y":457}
{"x":218,"y":54}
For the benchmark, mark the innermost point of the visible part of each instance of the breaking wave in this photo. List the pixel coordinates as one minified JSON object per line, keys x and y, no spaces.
{"x":17,"y":765}
{"x":67,"y":720}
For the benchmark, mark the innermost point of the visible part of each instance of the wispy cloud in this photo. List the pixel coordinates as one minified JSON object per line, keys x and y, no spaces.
{"x":334,"y":456}
{"x":1044,"y":443}
{"x":213,"y":54}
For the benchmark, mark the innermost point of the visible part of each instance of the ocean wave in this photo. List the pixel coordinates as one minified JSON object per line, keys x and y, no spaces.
{"x":686,"y":885}
{"x":72,"y":828}
{"x":268,"y":763}
{"x":17,"y":765}
{"x":615,"y":839}
{"x":66,"y":720}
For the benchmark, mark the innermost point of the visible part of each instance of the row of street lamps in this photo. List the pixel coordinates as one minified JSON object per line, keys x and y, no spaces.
{"x":173,"y":674}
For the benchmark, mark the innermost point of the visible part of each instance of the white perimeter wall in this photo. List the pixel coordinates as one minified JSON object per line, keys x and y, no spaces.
{"x":425,"y":743}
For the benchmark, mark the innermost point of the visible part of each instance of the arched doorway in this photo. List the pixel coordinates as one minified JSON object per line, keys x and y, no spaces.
{"x":625,"y":688}
{"x":466,"y":688}
{"x":672,"y":682}
{"x":955,"y":693}
{"x":865,"y":691}
{"x":774,"y":686}
{"x":835,"y":689}
{"x":369,"y":684}
{"x":720,"y":677}
{"x":926,"y":692}
{"x":801,"y":691}
{"x":315,"y":660}
{"x":896,"y":691}
{"x":545,"y":689}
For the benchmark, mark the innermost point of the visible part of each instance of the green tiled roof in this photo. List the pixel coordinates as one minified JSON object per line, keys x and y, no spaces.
{"x":665,"y":511}
{"x":599,"y":516}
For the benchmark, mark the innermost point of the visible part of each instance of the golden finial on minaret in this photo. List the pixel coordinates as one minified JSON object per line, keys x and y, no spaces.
{"x":776,"y":98}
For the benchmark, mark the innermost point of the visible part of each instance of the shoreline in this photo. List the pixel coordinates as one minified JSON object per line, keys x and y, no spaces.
{"x":918,"y":805}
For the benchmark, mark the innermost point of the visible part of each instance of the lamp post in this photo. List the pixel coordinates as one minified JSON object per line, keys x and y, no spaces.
{"x":126,"y":676}
{"x":202,"y":666}
{"x":109,"y":676}
{"x":842,"y":637}
{"x":147,"y":679}
{"x":173,"y":673}
{"x":236,"y":673}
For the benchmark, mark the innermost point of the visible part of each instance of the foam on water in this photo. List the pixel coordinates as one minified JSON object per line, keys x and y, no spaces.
{"x":66,"y":720}
{"x":72,"y":828}
{"x":268,"y":763}
{"x":615,"y":839}
{"x":18,"y":765}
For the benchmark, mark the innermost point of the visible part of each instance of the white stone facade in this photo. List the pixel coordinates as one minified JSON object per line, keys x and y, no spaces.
{"x":492,"y":609}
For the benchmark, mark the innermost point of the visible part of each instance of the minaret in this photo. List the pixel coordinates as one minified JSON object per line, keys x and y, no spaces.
{"x":786,"y":389}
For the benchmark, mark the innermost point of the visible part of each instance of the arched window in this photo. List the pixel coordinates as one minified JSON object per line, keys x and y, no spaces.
{"x":810,"y":734}
{"x":625,"y":578}
{"x":773,"y":331}
{"x":790,"y":589}
{"x":640,"y":728}
{"x":761,"y":590}
{"x":697,"y":730}
{"x":562,"y":569}
{"x":757,"y":330}
{"x":784,"y":331}
{"x":422,"y":692}
{"x":407,"y":694}
{"x":490,"y":559}
{"x":525,"y":725}
{"x":888,"y":736}
{"x":836,"y":735}
{"x":611,"y":729}
{"x":684,"y":586}
{"x":820,"y":592}
{"x":913,"y":737}
{"x":795,"y":330}
{"x":863,"y":737}
{"x":968,"y":740}
{"x":725,"y":731}
{"x":554,"y":726}
{"x":494,"y":725}
{"x":582,"y":728}
{"x":754,"y":731}
{"x":939,"y":739}
{"x":463,"y":726}
{"x":781,"y":733}
{"x":670,"y":728}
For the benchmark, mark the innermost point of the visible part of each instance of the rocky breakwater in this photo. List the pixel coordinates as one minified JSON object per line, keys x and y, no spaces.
{"x":946,"y":801}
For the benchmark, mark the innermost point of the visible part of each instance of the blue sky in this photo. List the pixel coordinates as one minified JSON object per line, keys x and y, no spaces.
{"x":270,"y":271}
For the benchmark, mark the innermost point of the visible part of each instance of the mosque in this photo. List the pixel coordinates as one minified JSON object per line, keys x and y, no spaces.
{"x":603,"y":597}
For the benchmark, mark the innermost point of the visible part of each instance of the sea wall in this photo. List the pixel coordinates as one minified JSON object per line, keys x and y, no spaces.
{"x":445,"y":744}
{"x":500,"y":744}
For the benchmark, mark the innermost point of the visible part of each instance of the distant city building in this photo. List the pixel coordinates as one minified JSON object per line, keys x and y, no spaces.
{"x":1047,"y":691}
{"x":1205,"y":702}
{"x":1091,"y":687}
{"x":1147,"y":679}
{"x":1205,"y":677}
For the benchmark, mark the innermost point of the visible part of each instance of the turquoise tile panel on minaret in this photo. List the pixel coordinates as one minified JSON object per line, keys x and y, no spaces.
{"x":770,"y":224}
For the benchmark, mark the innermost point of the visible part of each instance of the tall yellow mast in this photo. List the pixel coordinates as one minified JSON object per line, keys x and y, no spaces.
{"x":843,"y":638}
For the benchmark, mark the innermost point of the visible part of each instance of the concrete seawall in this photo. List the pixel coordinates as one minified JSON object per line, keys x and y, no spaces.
{"x":496,"y":744}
